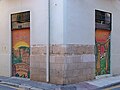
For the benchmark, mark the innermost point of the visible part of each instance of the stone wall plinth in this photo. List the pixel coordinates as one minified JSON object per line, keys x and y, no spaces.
{"x":70,"y":63}
{"x":38,"y":63}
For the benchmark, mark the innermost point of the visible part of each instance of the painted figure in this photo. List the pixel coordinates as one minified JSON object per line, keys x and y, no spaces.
{"x":102,"y":52}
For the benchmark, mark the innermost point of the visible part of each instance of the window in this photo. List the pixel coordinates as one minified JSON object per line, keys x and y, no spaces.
{"x":20,"y":20}
{"x":102,"y":20}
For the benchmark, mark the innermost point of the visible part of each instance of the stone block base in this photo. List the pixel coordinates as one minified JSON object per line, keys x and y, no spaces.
{"x":38,"y":63}
{"x":68,"y":63}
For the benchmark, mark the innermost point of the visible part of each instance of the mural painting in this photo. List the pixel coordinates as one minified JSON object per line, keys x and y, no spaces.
{"x":102,"y":52}
{"x":21,"y":45}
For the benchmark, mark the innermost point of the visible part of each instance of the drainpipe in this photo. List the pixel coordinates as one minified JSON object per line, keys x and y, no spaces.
{"x":48,"y":47}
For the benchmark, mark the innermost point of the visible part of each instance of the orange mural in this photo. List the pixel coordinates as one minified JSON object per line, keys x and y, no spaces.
{"x":21,"y":53}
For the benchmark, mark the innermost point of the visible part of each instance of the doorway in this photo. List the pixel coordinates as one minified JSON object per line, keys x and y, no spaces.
{"x":20,"y":29}
{"x":102,"y":42}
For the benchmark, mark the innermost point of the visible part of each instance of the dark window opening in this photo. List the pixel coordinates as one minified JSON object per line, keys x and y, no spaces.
{"x":102,"y":20}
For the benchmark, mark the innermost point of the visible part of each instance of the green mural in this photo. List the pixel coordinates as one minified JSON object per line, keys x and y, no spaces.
{"x":20,"y":61}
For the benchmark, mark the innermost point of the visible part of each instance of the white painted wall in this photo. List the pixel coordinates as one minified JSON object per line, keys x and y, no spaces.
{"x":80,"y":19}
{"x":115,"y":52}
{"x":79,"y":26}
{"x":56,"y":21}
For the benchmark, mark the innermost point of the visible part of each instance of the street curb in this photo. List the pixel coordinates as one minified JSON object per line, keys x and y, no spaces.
{"x":19,"y":86}
{"x":113,"y":84}
{"x":10,"y":84}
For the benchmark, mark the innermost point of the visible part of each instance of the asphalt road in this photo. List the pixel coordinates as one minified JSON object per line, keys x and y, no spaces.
{"x":116,"y":87}
{"x":2,"y":87}
{"x":7,"y":87}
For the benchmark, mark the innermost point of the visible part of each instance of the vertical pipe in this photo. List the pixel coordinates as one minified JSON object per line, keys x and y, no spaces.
{"x":48,"y":47}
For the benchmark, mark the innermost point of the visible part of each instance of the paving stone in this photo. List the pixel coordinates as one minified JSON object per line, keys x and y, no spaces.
{"x":68,"y":88}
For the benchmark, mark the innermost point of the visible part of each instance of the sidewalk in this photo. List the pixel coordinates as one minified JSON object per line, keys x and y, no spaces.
{"x":33,"y":85}
{"x":105,"y":82}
